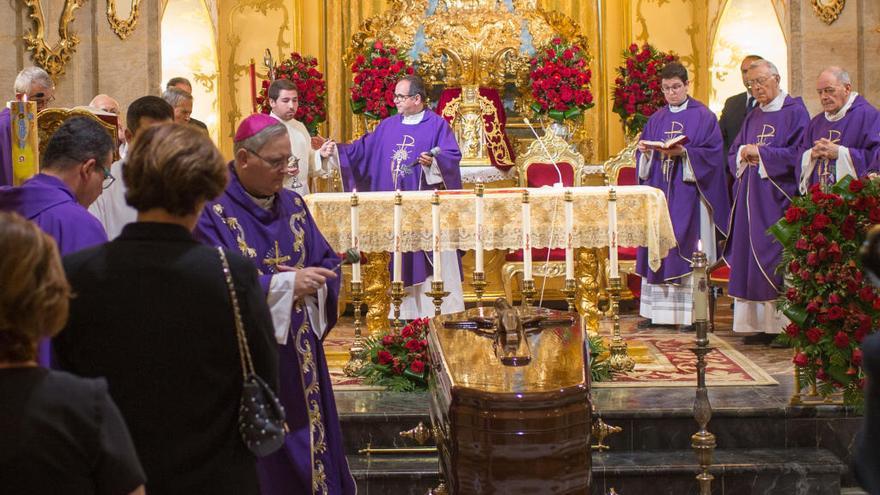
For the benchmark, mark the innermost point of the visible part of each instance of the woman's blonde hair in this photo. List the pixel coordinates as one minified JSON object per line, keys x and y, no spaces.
{"x":34,"y":293}
{"x":174,"y":167}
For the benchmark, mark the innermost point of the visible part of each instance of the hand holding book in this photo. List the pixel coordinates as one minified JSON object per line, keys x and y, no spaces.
{"x":677,"y":141}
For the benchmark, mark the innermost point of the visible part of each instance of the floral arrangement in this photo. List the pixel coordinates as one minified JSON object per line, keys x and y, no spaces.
{"x":830,"y":302}
{"x":560,"y":81}
{"x":637,"y":93}
{"x":310,"y":87}
{"x":398,"y":362}
{"x":376,"y":73}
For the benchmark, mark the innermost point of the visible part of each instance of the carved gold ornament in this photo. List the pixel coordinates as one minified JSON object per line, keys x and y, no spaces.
{"x":55,"y":58}
{"x":828,"y":10}
{"x":122,"y":28}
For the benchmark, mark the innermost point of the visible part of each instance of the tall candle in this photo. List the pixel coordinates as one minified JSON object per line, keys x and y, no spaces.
{"x":435,"y":232}
{"x":25,"y":152}
{"x":701,"y":286}
{"x":612,"y":232}
{"x":569,"y":232}
{"x":478,"y":234}
{"x":526,"y":236}
{"x":398,"y":257}
{"x":355,"y":237}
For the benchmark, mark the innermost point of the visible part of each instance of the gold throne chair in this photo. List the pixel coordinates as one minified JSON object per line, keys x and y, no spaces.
{"x":50,"y":119}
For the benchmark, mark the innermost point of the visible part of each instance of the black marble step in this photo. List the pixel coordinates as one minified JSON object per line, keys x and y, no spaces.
{"x":737,"y":472}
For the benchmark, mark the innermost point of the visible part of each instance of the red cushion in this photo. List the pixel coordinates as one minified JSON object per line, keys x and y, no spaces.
{"x":720,"y":274}
{"x":538,"y":255}
{"x":627,"y":253}
{"x":544,"y":174}
{"x":627,"y":177}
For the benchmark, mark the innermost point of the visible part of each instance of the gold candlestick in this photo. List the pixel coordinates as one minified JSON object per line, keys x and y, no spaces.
{"x":703,"y":442}
{"x":570,"y":289}
{"x":437,"y":293}
{"x":479,"y":284}
{"x":396,"y":299}
{"x":356,"y":351}
{"x":619,"y":359}
{"x":528,"y":292}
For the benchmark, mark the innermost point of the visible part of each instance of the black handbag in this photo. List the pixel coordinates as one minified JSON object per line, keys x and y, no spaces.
{"x":260,"y":414}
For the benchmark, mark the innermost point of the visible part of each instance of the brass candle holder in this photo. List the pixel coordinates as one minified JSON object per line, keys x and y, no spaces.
{"x":570,"y":289}
{"x":528,"y":292}
{"x":703,"y":442}
{"x":479,"y":284}
{"x":396,"y":299}
{"x":437,"y":293}
{"x":356,"y":351}
{"x":619,"y":359}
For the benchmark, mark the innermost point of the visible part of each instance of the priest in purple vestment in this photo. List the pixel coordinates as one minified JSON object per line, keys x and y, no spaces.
{"x":411,"y":151}
{"x":75,"y":167}
{"x":272,"y":227}
{"x":842,"y":140}
{"x":37,"y":86}
{"x":763,"y":158}
{"x":693,"y":178}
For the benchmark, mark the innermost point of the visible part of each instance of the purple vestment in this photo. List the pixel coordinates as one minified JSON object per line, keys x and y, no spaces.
{"x":312,"y":459}
{"x":48,"y":202}
{"x":371,"y":163}
{"x":5,"y":147}
{"x":858,"y":131}
{"x":706,"y":156}
{"x":752,"y":253}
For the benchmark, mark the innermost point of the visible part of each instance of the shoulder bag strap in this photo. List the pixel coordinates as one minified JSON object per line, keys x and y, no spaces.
{"x":247,"y":365}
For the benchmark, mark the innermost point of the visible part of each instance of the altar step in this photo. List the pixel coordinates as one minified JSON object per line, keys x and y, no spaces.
{"x":798,"y":471}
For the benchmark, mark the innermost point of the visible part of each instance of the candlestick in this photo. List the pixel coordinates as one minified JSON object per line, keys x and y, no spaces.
{"x":396,"y":299}
{"x":437,"y":293}
{"x":479,"y":284}
{"x":569,"y":232}
{"x":700,"y":287}
{"x":356,"y":351}
{"x":355,"y":237}
{"x":570,"y":289}
{"x":703,"y":442}
{"x":253,"y":74}
{"x":435,"y":222}
{"x":612,"y":233}
{"x":398,"y":257}
{"x":526,"y":236}
{"x":478,"y":227}
{"x":619,"y":359}
{"x":528,"y":292}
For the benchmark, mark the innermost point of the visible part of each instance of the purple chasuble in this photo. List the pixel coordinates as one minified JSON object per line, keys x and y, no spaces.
{"x":312,"y":459}
{"x":372,"y":162}
{"x":5,"y":147}
{"x":858,"y":131}
{"x":752,"y":253}
{"x":48,"y":202}
{"x":705,"y":150}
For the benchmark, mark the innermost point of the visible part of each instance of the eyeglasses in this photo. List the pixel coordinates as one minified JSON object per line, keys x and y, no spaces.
{"x":276,"y":164}
{"x":830,"y":90}
{"x":761,"y":81}
{"x":41,"y":98}
{"x":398,"y":97}
{"x":672,"y":89}
{"x":108,"y":178}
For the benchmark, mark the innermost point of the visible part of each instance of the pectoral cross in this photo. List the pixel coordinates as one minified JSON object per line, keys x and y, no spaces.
{"x":278,"y":259}
{"x":825,"y":176}
{"x":675,"y":129}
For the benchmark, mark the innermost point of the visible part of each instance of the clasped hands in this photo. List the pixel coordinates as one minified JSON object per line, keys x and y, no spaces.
{"x":824,"y":148}
{"x":749,"y":154}
{"x":308,"y":279}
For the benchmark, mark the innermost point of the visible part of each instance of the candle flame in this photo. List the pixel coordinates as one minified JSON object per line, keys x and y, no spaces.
{"x":700,"y":245}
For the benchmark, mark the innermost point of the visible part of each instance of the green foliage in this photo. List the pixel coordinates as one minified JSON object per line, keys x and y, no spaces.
{"x":600,"y":371}
{"x":398,"y":362}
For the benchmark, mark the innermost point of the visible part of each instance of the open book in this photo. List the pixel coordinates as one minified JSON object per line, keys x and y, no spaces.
{"x":681,"y":139}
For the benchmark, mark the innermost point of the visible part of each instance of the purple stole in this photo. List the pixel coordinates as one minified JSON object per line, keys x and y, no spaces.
{"x":706,"y":154}
{"x":312,"y":459}
{"x":758,"y":203}
{"x":385,"y":160}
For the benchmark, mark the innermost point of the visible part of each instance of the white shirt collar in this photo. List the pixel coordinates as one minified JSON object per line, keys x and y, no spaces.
{"x":679,"y":108}
{"x":279,"y":119}
{"x":776,"y":104}
{"x":413,"y":119}
{"x":834,"y":117}
{"x":264,"y":203}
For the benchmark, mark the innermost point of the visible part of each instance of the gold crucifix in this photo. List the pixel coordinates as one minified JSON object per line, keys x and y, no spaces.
{"x":278,"y":259}
{"x":675,"y":129}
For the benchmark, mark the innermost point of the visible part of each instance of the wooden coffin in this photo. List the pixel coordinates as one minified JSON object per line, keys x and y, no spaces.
{"x":510,"y":429}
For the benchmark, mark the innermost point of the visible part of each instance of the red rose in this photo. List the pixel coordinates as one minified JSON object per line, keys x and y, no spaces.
{"x":866,"y":294}
{"x":557,"y":41}
{"x":812,"y":259}
{"x":834,"y":299}
{"x":387,"y":340}
{"x":835,"y":313}
{"x":857,"y":356}
{"x":820,"y":221}
{"x":874,"y":215}
{"x":384,"y":357}
{"x":791,"y":294}
{"x":800,"y":360}
{"x":407,"y":331}
{"x":417,"y":366}
{"x":821,"y":374}
{"x":819,"y":240}
{"x":378,"y":45}
{"x":814,"y":335}
{"x":802,"y":244}
{"x":856,"y":185}
{"x":413,"y":345}
{"x":812,"y":307}
{"x":793,"y":214}
{"x":794,"y":266}
{"x":792,"y":330}
{"x":841,"y":339}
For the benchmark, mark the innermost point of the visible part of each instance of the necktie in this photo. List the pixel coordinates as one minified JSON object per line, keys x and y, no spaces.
{"x":750,"y":104}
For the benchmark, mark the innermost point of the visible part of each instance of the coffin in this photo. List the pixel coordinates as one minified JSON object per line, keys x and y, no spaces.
{"x":511,"y":429}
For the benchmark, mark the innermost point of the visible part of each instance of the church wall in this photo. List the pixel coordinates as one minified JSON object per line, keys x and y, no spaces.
{"x":102,"y":62}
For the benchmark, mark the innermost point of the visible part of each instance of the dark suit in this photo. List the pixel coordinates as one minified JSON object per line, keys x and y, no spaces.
{"x":866,"y":463}
{"x":732,"y":117}
{"x":199,"y":124}
{"x":152,"y":314}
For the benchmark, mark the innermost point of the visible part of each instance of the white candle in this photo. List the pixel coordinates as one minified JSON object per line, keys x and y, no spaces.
{"x":569,"y":231}
{"x":612,"y":232}
{"x":355,"y":238}
{"x":701,"y":287}
{"x":478,"y":234}
{"x":435,"y":222}
{"x":398,"y":256}
{"x":527,"y":236}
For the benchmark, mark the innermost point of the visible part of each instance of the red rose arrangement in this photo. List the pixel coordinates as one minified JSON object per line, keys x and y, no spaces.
{"x":310,"y":87}
{"x":376,"y":73}
{"x":560,"y":81}
{"x":637,"y":93}
{"x":398,"y":362}
{"x":831,"y":304}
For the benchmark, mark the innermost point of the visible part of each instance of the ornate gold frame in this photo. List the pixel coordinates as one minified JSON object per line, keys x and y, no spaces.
{"x":50,"y":119}
{"x":123,"y":27}
{"x":55,"y":58}
{"x":828,"y":10}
